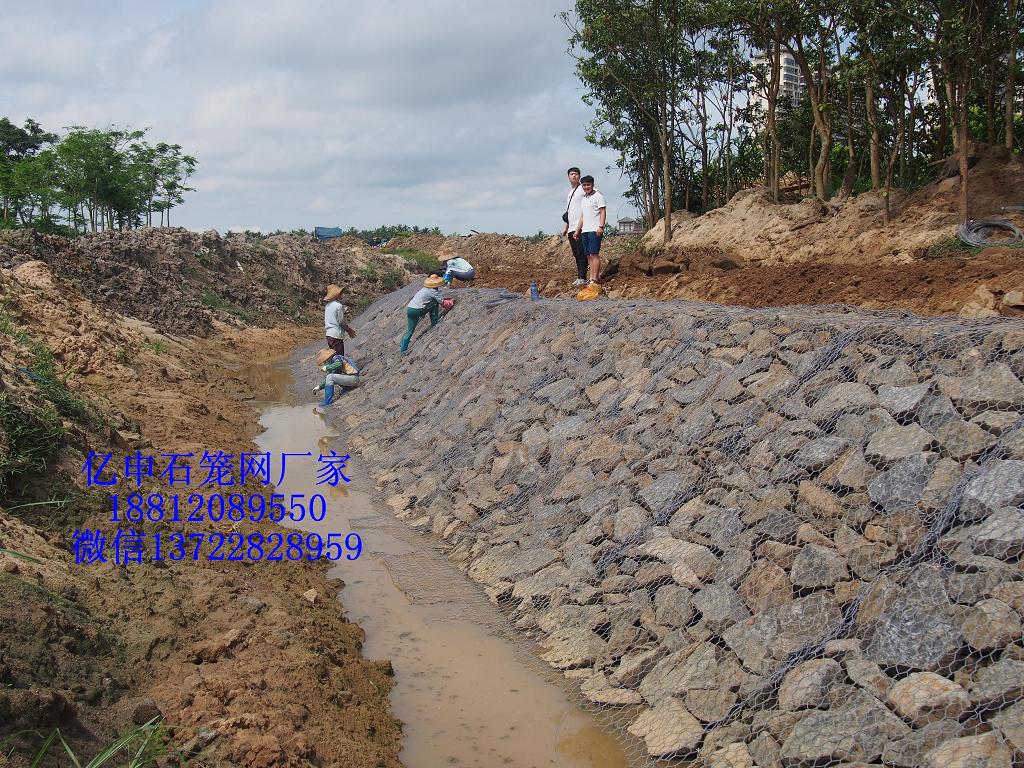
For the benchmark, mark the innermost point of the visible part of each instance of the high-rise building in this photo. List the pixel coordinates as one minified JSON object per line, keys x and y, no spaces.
{"x":791,"y":80}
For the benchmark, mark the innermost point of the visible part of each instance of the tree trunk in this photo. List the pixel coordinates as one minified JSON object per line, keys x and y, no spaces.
{"x":938,"y":81}
{"x":962,"y":147}
{"x":773,"y":99}
{"x":876,"y":139}
{"x":850,"y":176}
{"x":1010,"y":74}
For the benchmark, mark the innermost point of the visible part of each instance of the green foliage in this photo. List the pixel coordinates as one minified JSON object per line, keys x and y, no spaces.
{"x":31,"y":438}
{"x":540,"y":237}
{"x":213,"y":300}
{"x":89,"y":179}
{"x":138,"y":748}
{"x":416,"y":260}
{"x":381,"y":235}
{"x":156,"y":347}
{"x":387,"y":276}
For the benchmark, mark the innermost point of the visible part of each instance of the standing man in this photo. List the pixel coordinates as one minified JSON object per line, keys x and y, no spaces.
{"x":590,"y":230}
{"x":571,"y":215}
{"x":335,"y":326}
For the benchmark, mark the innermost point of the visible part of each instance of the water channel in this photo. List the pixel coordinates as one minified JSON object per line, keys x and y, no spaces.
{"x":469,"y":693}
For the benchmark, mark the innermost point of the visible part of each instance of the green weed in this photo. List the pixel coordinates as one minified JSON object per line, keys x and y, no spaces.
{"x":417,"y":261}
{"x":31,"y":438}
{"x":143,"y":746}
{"x":156,"y":347}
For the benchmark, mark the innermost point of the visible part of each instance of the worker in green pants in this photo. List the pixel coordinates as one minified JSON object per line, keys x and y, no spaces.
{"x":427,"y":301}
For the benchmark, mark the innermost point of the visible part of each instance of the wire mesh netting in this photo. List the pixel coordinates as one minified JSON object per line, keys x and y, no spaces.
{"x":752,"y":537}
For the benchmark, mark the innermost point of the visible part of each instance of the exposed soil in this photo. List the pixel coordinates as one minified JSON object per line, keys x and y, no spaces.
{"x":244,"y":669}
{"x":756,"y":253}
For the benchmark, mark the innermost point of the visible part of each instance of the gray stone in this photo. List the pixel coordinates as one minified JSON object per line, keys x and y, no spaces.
{"x":889,"y":445}
{"x":721,"y":607}
{"x":817,"y":566}
{"x":901,"y":400}
{"x":634,"y":667}
{"x":909,"y":751}
{"x":901,"y":487}
{"x":666,"y":493}
{"x":848,"y":396}
{"x":857,"y":730}
{"x":868,"y":676}
{"x":510,"y":563}
{"x":990,"y":624}
{"x":695,"y":666}
{"x":782,"y":630}
{"x":821,"y":452}
{"x":1010,"y":723}
{"x":1001,"y":485}
{"x":914,"y":633}
{"x":563,"y":394}
{"x":631,"y":522}
{"x":993,"y":387}
{"x":572,"y":648}
{"x":998,"y":683}
{"x":720,"y":527}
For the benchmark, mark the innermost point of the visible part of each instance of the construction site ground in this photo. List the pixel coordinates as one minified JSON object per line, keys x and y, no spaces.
{"x":158,"y":331}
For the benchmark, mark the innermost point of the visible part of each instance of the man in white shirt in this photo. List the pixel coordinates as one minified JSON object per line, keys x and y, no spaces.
{"x":335,"y":326}
{"x":571,"y":215}
{"x":589,"y":231}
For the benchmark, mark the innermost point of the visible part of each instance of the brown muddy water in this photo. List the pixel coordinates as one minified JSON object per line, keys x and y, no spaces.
{"x":469,"y":693}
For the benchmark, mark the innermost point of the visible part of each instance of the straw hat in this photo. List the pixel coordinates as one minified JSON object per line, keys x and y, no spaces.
{"x":324,"y":355}
{"x":433,"y":282}
{"x":333,"y":292}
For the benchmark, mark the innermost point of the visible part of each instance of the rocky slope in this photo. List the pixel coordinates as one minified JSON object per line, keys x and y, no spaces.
{"x":779,"y":537}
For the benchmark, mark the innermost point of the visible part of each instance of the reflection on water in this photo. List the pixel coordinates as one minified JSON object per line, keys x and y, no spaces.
{"x":467,"y":695}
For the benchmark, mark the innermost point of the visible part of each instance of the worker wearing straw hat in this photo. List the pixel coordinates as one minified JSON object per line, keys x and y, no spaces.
{"x":341,"y":371}
{"x":335,"y":326}
{"x":426,"y":301}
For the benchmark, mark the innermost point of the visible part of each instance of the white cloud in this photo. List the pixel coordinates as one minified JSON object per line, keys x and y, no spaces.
{"x":445,"y":112}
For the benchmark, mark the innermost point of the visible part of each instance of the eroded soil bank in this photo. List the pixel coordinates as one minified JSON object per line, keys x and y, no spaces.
{"x":240,"y":667}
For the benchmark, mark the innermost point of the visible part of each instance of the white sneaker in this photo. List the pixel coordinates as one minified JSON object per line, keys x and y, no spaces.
{"x":578,"y":282}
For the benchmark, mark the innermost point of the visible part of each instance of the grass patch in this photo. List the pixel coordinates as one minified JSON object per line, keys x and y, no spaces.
{"x":953,"y":246}
{"x":140,"y":747}
{"x":213,"y":300}
{"x":156,"y":347}
{"x":388,"y":277}
{"x":31,"y":439}
{"x":416,"y":260}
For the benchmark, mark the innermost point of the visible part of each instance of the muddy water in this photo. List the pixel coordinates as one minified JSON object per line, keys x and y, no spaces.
{"x":467,"y":693}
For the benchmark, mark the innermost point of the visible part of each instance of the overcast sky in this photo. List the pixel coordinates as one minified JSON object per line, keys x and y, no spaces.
{"x":449,"y":113}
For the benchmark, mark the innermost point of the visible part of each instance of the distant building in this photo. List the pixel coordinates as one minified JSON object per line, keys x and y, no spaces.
{"x":792,"y":85}
{"x":630,"y":226}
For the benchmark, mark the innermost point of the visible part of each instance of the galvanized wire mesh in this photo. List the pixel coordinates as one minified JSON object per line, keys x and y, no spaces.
{"x":754,"y":537}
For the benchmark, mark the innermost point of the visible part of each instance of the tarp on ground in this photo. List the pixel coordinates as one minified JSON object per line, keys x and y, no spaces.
{"x":326,"y":233}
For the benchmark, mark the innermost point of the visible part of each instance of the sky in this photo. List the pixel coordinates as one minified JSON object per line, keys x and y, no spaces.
{"x":449,"y":113}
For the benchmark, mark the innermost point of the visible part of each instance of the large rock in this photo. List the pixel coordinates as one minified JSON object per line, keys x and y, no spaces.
{"x":721,"y":607}
{"x":990,"y":624}
{"x":995,"y":386}
{"x":889,"y":445}
{"x":817,"y":566}
{"x":1001,"y":485}
{"x":901,"y":487}
{"x":667,"y":493}
{"x":806,"y":684}
{"x":985,"y":751}
{"x":1001,"y":535}
{"x":668,"y":729}
{"x":998,"y":683}
{"x":915,"y":631}
{"x":770,"y":637}
{"x":1010,"y":723}
{"x":856,"y":731}
{"x":849,"y":396}
{"x":925,"y":696}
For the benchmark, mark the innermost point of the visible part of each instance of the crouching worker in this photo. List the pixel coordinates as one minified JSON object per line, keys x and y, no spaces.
{"x":455,"y":267}
{"x":427,"y":301}
{"x":341,"y":371}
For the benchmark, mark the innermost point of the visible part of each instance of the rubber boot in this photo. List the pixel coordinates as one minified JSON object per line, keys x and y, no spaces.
{"x":328,"y":395}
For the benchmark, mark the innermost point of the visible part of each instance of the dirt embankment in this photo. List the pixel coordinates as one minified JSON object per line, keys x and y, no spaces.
{"x":246,"y":664}
{"x":754,"y":252}
{"x":183,"y":282}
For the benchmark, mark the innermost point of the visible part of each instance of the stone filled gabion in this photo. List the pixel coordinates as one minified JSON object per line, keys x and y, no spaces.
{"x":755,"y":537}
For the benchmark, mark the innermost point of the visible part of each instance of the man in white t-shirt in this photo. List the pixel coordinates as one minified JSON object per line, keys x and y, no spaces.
{"x":571,"y":216}
{"x":589,"y":231}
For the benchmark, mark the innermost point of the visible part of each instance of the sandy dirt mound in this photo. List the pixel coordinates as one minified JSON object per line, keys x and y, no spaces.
{"x":757,"y":253}
{"x":182,"y":282}
{"x":242,"y":666}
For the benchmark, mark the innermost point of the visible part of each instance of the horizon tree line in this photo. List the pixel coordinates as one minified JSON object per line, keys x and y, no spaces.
{"x":88,"y":180}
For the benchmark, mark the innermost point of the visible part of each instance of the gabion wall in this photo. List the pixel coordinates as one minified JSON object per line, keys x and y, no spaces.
{"x":755,"y":538}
